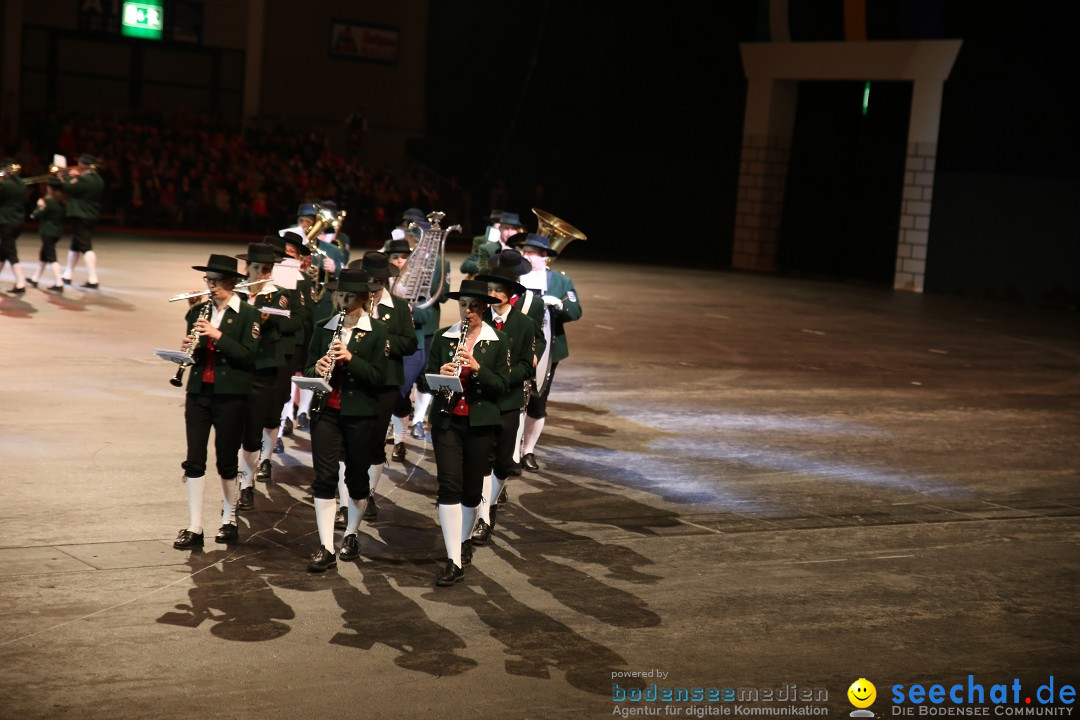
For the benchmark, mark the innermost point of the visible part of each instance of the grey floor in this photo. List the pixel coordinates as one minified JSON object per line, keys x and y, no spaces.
{"x":746,"y":481}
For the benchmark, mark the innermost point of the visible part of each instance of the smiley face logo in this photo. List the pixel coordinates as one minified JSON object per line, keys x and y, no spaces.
{"x":862,"y":693}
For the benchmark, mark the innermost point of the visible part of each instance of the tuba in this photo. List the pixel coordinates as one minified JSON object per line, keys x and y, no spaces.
{"x":324,"y":218}
{"x":414,"y":282}
{"x":558,"y":231}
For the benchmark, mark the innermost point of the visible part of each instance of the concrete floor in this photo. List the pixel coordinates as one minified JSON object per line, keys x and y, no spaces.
{"x":747,"y":481}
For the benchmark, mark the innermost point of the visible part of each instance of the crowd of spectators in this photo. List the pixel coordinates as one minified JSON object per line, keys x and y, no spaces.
{"x":196,"y":175}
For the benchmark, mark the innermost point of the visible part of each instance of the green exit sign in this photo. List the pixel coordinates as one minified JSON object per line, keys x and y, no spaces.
{"x":142,"y":19}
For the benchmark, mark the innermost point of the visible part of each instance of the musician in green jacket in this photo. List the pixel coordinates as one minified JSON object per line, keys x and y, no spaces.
{"x":464,"y":424}
{"x":509,"y":224}
{"x":349,"y":350}
{"x":12,"y":219}
{"x":222,"y":335}
{"x":83,"y":188}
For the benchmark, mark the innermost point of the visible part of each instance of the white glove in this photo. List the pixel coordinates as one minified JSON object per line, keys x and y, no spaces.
{"x":328,"y":265}
{"x":553,"y":302}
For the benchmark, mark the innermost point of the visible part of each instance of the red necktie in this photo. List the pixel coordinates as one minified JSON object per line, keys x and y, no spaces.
{"x":498,"y":324}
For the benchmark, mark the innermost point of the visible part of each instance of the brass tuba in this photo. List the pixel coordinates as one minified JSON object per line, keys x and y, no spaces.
{"x":324,"y":218}
{"x":414,"y":282}
{"x":558,"y":231}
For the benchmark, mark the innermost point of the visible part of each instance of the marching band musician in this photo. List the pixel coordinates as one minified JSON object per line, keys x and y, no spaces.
{"x":219,"y":383}
{"x":561,"y":301}
{"x":508,"y":225}
{"x":12,"y":219}
{"x":464,"y":425}
{"x":351,"y":349}
{"x":426,"y":322}
{"x":50,"y":215}
{"x":270,"y":367}
{"x":523,"y":334}
{"x":83,"y":188}
{"x":395,"y":312}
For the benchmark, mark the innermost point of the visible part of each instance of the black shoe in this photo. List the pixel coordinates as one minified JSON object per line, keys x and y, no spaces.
{"x":227,"y":535}
{"x":265,"y":473}
{"x":341,"y":519}
{"x":18,"y":291}
{"x":56,"y":289}
{"x":503,"y":497}
{"x":31,"y":283}
{"x":417,"y":431}
{"x":322,"y":561}
{"x":371,"y":510}
{"x":466,"y":554}
{"x":529,"y":462}
{"x":302,"y":422}
{"x":90,"y":286}
{"x":515,"y":471}
{"x":350,"y":548}
{"x":279,"y":447}
{"x":186,"y":540}
{"x":247,"y":499}
{"x":286,"y":429}
{"x":399,"y":453}
{"x":449,"y":575}
{"x":481,"y":534}
{"x":67,"y":281}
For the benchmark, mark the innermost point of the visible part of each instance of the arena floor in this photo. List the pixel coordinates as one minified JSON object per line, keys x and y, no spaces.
{"x":747,"y":482}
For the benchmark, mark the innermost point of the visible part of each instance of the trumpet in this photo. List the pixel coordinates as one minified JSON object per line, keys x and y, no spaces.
{"x":444,"y":392}
{"x":178,"y":379}
{"x":201,"y":293}
{"x":54,"y":171}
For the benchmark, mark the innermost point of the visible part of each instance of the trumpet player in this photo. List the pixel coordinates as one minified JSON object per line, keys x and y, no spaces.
{"x":464,"y":425}
{"x":349,"y":351}
{"x":12,"y":219}
{"x":222,"y":336}
{"x":83,"y":188}
{"x":50,"y":215}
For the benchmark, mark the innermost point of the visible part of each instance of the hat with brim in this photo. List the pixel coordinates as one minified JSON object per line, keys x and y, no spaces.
{"x":306,"y":210}
{"x":414,"y":215}
{"x":537,"y":241}
{"x":259,"y":253}
{"x":87,"y":159}
{"x":509,"y":263}
{"x":398,"y":247}
{"x":510,"y":219}
{"x":377,"y":265}
{"x":354,"y":281}
{"x":474,"y":289}
{"x":494,"y":278}
{"x":223,"y":264}
{"x":297,"y":241}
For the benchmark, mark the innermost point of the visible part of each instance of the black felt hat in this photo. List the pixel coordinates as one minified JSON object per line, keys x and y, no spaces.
{"x":355,"y":281}
{"x":512,"y":285}
{"x":224,"y":264}
{"x":377,"y":264}
{"x":533,"y":240}
{"x":474,"y":289}
{"x":259,"y":253}
{"x":509,"y":263}
{"x":87,"y":159}
{"x":297,"y":241}
{"x":400,"y":247}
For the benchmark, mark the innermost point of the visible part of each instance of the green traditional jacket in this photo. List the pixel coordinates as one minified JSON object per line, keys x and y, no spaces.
{"x":400,"y":333}
{"x":234,"y":354}
{"x":365,"y":374}
{"x":275,"y":330}
{"x":562,"y":287}
{"x":483,"y":249}
{"x":485,"y":387}
{"x":12,"y":201}
{"x":531,"y":305}
{"x":520,"y":331}
{"x":51,"y":218}
{"x":84,"y":196}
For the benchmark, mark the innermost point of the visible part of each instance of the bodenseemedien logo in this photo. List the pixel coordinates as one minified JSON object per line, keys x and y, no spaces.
{"x":862,"y":695}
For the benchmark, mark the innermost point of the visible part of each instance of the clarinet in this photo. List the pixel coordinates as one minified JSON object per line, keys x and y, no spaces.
{"x":321,"y":396}
{"x":204,"y":314}
{"x":449,"y":396}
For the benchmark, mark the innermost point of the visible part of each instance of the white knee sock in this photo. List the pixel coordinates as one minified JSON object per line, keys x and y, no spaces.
{"x":73,"y":259}
{"x":91,"y":266}
{"x":20,"y":280}
{"x":324,"y":520}
{"x":520,"y":433}
{"x":468,"y":522}
{"x":450,"y":520}
{"x":249,"y":464}
{"x":195,"y":489}
{"x":230,"y":493}
{"x":342,"y":488}
{"x":269,"y":440}
{"x":305,"y":402}
{"x":353,"y":523}
{"x":486,"y":499}
{"x":533,"y":428}
{"x":496,"y":488}
{"x":38,"y":273}
{"x":374,"y":475}
{"x":286,"y":412}
{"x":55,"y":266}
{"x":399,"y":428}
{"x":423,"y":401}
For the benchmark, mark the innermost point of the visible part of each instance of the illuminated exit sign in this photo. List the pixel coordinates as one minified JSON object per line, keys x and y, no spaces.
{"x":142,"y":19}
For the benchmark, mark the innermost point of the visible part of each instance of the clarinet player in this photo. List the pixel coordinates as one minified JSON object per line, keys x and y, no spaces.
{"x":463,"y":425}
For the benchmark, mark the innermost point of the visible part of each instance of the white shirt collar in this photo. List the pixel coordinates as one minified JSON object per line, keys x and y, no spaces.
{"x":234,"y":303}
{"x":268,"y":287}
{"x":385,"y":299}
{"x":486,"y":332}
{"x":495,"y":317}
{"x":364,"y":323}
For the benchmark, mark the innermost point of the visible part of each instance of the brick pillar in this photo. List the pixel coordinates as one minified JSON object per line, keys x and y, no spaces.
{"x":763,"y":171}
{"x":915,"y":217}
